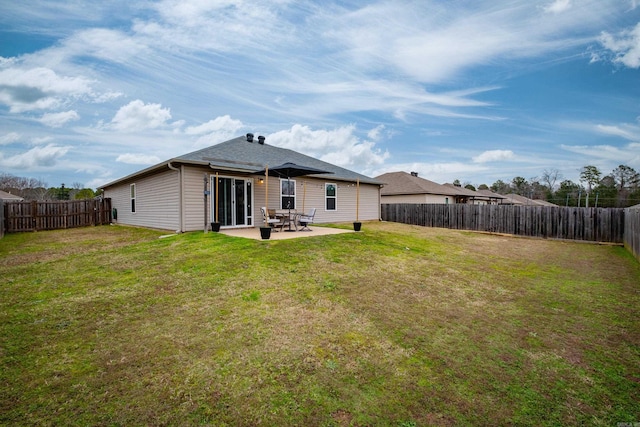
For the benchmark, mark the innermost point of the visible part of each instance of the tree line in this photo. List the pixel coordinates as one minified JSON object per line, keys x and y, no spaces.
{"x":620,"y":188}
{"x":38,"y":190}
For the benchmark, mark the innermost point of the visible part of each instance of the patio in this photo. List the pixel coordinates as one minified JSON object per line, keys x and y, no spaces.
{"x":254,"y":233}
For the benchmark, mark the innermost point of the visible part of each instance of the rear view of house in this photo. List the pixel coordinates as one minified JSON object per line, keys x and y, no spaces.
{"x":224,"y":183}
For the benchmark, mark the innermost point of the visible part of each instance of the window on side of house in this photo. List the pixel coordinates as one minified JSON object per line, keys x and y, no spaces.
{"x":132,"y":188}
{"x":331,"y":196}
{"x":287,"y":194}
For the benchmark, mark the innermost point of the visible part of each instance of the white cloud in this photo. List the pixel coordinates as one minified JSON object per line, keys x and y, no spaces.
{"x":433,"y":41}
{"x":219,"y":24}
{"x":223,"y":123}
{"x":375,"y":133}
{"x":107,"y":96}
{"x":608,"y":155}
{"x":138,"y":159}
{"x":625,"y":46}
{"x":626,"y":131}
{"x":558,"y":6}
{"x":58,"y":119}
{"x":46,"y":156}
{"x":217,"y":130}
{"x":137,"y":115}
{"x":40,"y":140}
{"x":9,"y":138}
{"x":493,"y":156}
{"x":106,"y":44}
{"x":38,"y":88}
{"x":338,"y":146}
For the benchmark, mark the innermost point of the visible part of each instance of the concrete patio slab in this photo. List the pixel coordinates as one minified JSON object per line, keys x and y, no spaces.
{"x":254,"y":233}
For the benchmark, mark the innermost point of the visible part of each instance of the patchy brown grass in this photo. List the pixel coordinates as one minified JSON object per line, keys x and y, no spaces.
{"x":397,"y":325}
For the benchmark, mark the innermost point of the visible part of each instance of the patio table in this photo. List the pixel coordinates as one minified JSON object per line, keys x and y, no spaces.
{"x":289,"y":217}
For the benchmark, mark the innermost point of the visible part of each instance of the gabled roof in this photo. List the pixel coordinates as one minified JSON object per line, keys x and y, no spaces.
{"x":461,"y":191}
{"x":397,"y":183}
{"x":8,"y":196}
{"x":491,"y":194}
{"x":240,"y":155}
{"x":517,"y":199}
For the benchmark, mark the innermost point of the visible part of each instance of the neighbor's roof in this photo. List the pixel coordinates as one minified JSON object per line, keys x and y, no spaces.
{"x":242,"y":156}
{"x":491,"y":194}
{"x":8,"y":196}
{"x":461,"y":191}
{"x":397,"y":183}
{"x":517,"y":199}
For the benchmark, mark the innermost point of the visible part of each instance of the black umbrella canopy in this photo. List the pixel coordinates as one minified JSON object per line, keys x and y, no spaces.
{"x":291,"y":170}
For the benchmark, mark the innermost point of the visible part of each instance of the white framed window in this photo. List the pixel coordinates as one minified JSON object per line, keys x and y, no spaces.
{"x":132,"y":189}
{"x":331,"y":196}
{"x":287,"y":194}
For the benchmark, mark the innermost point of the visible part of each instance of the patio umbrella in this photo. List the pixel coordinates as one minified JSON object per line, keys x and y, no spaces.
{"x":291,"y":170}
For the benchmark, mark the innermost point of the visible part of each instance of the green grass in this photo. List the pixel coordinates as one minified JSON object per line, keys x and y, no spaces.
{"x":393,"y":326}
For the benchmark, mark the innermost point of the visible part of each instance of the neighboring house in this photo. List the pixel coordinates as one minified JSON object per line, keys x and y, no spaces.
{"x":402,"y":187}
{"x":464,"y":195}
{"x":8,"y":197}
{"x":171,"y":195}
{"x":491,"y":197}
{"x":516,"y":199}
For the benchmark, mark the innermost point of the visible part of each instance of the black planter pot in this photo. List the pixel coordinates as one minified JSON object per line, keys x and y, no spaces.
{"x":357,"y":225}
{"x":215,"y":226}
{"x":265,"y":233}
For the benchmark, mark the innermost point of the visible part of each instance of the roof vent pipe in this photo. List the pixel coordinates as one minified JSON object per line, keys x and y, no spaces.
{"x":250,"y":137}
{"x":261,"y":139}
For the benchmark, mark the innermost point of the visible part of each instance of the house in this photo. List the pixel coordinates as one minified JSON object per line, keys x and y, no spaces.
{"x":8,"y":197}
{"x":403,"y":187}
{"x":464,"y":195}
{"x":518,"y":200}
{"x":491,"y":197}
{"x":183,"y":193}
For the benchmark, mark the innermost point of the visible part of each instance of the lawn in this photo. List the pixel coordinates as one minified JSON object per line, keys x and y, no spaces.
{"x":394,"y":326}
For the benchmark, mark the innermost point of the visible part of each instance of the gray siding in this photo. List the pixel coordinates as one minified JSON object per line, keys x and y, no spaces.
{"x":314,"y":197}
{"x":157,"y":201}
{"x":194,"y":204}
{"x":159,"y":197}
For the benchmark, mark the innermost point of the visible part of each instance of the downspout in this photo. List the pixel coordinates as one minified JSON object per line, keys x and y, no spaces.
{"x":180,"y":198}
{"x":380,"y":202}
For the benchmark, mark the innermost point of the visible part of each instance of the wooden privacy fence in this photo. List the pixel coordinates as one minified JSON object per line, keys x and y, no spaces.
{"x":632,"y":231}
{"x":35,"y":216}
{"x":591,"y":224}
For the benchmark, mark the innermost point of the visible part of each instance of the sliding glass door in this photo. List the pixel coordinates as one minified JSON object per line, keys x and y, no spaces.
{"x":234,"y":201}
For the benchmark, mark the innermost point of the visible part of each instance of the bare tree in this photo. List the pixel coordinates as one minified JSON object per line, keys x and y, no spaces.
{"x":20,"y":186}
{"x":550,"y":177}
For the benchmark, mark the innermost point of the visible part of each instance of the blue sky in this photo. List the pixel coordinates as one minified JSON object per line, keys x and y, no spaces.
{"x":472,"y":90}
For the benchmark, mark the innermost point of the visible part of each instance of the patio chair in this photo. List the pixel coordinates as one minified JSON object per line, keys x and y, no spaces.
{"x":271,"y":220}
{"x":306,"y":219}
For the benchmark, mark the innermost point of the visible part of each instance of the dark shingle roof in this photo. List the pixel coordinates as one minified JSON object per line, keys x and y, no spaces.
{"x":397,"y":183}
{"x":240,"y":155}
{"x":516,"y":199}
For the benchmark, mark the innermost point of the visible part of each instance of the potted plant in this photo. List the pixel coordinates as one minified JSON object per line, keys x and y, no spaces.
{"x":265,"y":232}
{"x":215,"y":226}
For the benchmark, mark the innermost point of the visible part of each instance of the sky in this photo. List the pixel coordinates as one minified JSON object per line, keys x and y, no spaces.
{"x":474,"y":90}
